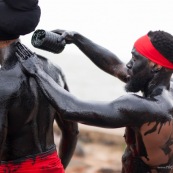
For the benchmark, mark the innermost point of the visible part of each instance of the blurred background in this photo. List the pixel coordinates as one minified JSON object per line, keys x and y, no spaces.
{"x":114,"y":24}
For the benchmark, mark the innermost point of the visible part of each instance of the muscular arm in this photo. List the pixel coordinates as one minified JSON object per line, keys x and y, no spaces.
{"x":69,"y":132}
{"x":129,"y":110}
{"x":103,"y":58}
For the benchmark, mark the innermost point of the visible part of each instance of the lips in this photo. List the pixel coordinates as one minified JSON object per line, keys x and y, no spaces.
{"x":128,"y":78}
{"x":129,"y":75}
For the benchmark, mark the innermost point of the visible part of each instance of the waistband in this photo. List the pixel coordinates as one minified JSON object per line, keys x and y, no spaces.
{"x":42,"y":154}
{"x":41,"y":163}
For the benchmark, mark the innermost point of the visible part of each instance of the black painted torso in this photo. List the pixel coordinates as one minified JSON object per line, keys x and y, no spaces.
{"x":30,"y":116}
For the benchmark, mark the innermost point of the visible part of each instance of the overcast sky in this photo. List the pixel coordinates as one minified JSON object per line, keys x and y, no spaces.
{"x":115,"y":24}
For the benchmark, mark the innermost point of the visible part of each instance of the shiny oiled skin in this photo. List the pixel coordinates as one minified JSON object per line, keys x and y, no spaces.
{"x":26,"y":116}
{"x":147,"y":118}
{"x":148,"y":122}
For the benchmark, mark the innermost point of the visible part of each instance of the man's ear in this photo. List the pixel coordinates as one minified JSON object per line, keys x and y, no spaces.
{"x":156,"y":68}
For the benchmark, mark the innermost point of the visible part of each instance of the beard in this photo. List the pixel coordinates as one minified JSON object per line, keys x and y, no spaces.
{"x":136,"y":83}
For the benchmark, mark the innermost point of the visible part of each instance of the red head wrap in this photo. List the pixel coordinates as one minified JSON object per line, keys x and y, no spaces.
{"x":144,"y":46}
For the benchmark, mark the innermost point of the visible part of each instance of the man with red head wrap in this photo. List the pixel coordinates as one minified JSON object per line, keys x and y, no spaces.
{"x":148,"y":118}
{"x":26,"y":116}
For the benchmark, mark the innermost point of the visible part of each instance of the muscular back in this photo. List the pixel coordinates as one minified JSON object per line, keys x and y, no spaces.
{"x":27,"y":117}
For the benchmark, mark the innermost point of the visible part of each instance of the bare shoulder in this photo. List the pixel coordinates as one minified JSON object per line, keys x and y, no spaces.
{"x":54,"y":71}
{"x":159,"y":107}
{"x":135,"y":102}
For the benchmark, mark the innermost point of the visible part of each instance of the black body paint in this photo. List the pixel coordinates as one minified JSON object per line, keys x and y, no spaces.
{"x":147,"y":118}
{"x":26,"y":116}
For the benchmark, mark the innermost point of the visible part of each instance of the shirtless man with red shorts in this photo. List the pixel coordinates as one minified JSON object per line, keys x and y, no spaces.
{"x":26,"y":116}
{"x":148,"y":118}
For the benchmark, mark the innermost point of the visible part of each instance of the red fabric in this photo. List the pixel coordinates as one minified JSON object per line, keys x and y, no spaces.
{"x":144,"y":46}
{"x":43,"y":163}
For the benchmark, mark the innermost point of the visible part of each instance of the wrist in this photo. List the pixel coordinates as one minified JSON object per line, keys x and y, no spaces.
{"x":76,"y":37}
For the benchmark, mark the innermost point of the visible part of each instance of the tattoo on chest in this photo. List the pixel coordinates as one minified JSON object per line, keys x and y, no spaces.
{"x":153,"y":129}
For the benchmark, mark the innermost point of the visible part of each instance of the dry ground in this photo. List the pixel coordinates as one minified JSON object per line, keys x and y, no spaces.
{"x":97,"y":151}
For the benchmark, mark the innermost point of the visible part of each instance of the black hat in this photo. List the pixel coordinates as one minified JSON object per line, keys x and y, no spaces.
{"x":18,"y":17}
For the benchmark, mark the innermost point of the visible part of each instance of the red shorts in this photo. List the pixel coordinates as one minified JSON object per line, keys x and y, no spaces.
{"x":48,"y":162}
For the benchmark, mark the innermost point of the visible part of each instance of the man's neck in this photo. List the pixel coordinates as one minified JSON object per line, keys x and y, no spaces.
{"x":160,"y":81}
{"x":6,"y":43}
{"x":5,"y":50}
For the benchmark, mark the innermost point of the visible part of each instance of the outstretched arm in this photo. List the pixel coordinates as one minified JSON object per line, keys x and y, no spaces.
{"x":129,"y":110}
{"x":103,"y":58}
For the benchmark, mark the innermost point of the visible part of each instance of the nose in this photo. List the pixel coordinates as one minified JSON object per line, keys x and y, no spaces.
{"x":129,"y":64}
